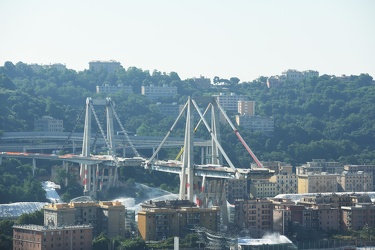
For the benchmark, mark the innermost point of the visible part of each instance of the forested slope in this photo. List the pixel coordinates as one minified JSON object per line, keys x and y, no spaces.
{"x":327,"y":117}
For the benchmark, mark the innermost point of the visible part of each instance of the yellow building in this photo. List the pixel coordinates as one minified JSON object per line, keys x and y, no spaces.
{"x":160,"y":220}
{"x":317,"y":183}
{"x":106,"y":216}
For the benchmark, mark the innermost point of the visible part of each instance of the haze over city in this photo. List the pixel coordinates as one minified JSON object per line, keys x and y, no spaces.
{"x":244,"y":39}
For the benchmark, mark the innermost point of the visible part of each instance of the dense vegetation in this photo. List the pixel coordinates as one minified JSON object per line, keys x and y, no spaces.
{"x":327,"y":117}
{"x":17,"y":183}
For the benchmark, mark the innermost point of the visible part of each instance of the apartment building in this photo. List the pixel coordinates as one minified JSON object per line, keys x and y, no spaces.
{"x":317,"y":183}
{"x":105,"y":216}
{"x":160,"y":220}
{"x":262,"y":188}
{"x":48,"y":124}
{"x":262,"y":124}
{"x":35,"y":237}
{"x":169,"y":109}
{"x":358,"y":216}
{"x":254,"y":215}
{"x":237,"y":189}
{"x":246,"y":107}
{"x":38,"y":67}
{"x":320,"y":165}
{"x":355,"y":181}
{"x":333,"y":199}
{"x":229,"y":102}
{"x":365,"y":168}
{"x":108,"y":66}
{"x":113,"y":89}
{"x":155,"y":92}
{"x":285,"y":183}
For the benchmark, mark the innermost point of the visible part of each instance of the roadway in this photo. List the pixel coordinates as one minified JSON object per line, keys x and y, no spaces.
{"x":25,"y":141}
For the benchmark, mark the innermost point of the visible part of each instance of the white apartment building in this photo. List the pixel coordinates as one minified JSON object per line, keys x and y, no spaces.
{"x":113,"y":89}
{"x":256,"y":123}
{"x":229,"y":102}
{"x":154,"y":92}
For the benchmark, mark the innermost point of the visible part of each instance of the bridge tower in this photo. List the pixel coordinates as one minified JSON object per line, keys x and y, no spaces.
{"x":92,"y":177}
{"x":187,"y":175}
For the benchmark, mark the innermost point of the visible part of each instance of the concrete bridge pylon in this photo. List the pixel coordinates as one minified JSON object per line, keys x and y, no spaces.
{"x":96,"y":177}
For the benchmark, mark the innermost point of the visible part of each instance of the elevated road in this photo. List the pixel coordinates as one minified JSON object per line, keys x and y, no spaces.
{"x":24,"y":141}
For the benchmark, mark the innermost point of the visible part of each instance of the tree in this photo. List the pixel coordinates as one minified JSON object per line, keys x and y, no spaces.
{"x":133,"y":244}
{"x":101,"y":242}
{"x":35,"y":218}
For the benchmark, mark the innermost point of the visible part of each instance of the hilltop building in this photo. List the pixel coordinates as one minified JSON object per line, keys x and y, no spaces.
{"x":263,"y":124}
{"x":105,"y":216}
{"x":229,"y":102}
{"x":38,"y":67}
{"x":202,"y":82}
{"x":113,"y":89}
{"x":164,"y":219}
{"x":108,"y":66}
{"x":35,"y":237}
{"x":291,"y":75}
{"x":155,"y":92}
{"x":246,"y":107}
{"x":169,"y":109}
{"x":48,"y":124}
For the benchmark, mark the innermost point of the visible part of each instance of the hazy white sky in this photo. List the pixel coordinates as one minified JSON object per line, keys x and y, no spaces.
{"x":238,"y":38}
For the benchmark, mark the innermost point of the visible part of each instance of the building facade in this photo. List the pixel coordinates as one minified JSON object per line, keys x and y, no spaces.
{"x":262,"y":188}
{"x":155,"y":92}
{"x":246,"y":107}
{"x":108,"y":66}
{"x":365,"y":168}
{"x":48,"y":124}
{"x":161,"y":220}
{"x":317,"y":183}
{"x":229,"y":102}
{"x":256,"y":123}
{"x":357,"y":217}
{"x":355,"y":182}
{"x":254,"y":215}
{"x":285,"y":183}
{"x":35,"y":237}
{"x":105,"y":216}
{"x":113,"y":89}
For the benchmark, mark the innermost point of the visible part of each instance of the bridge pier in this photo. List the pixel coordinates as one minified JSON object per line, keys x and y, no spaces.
{"x":34,"y":166}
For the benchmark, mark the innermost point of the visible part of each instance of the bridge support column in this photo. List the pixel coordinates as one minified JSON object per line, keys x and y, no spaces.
{"x":34,"y":166}
{"x":187,"y":175}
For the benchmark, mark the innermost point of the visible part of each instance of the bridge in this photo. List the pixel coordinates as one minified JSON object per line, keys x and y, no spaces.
{"x":100,"y":172}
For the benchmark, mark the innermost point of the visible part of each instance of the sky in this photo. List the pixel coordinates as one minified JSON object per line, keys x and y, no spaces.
{"x":237,"y":38}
